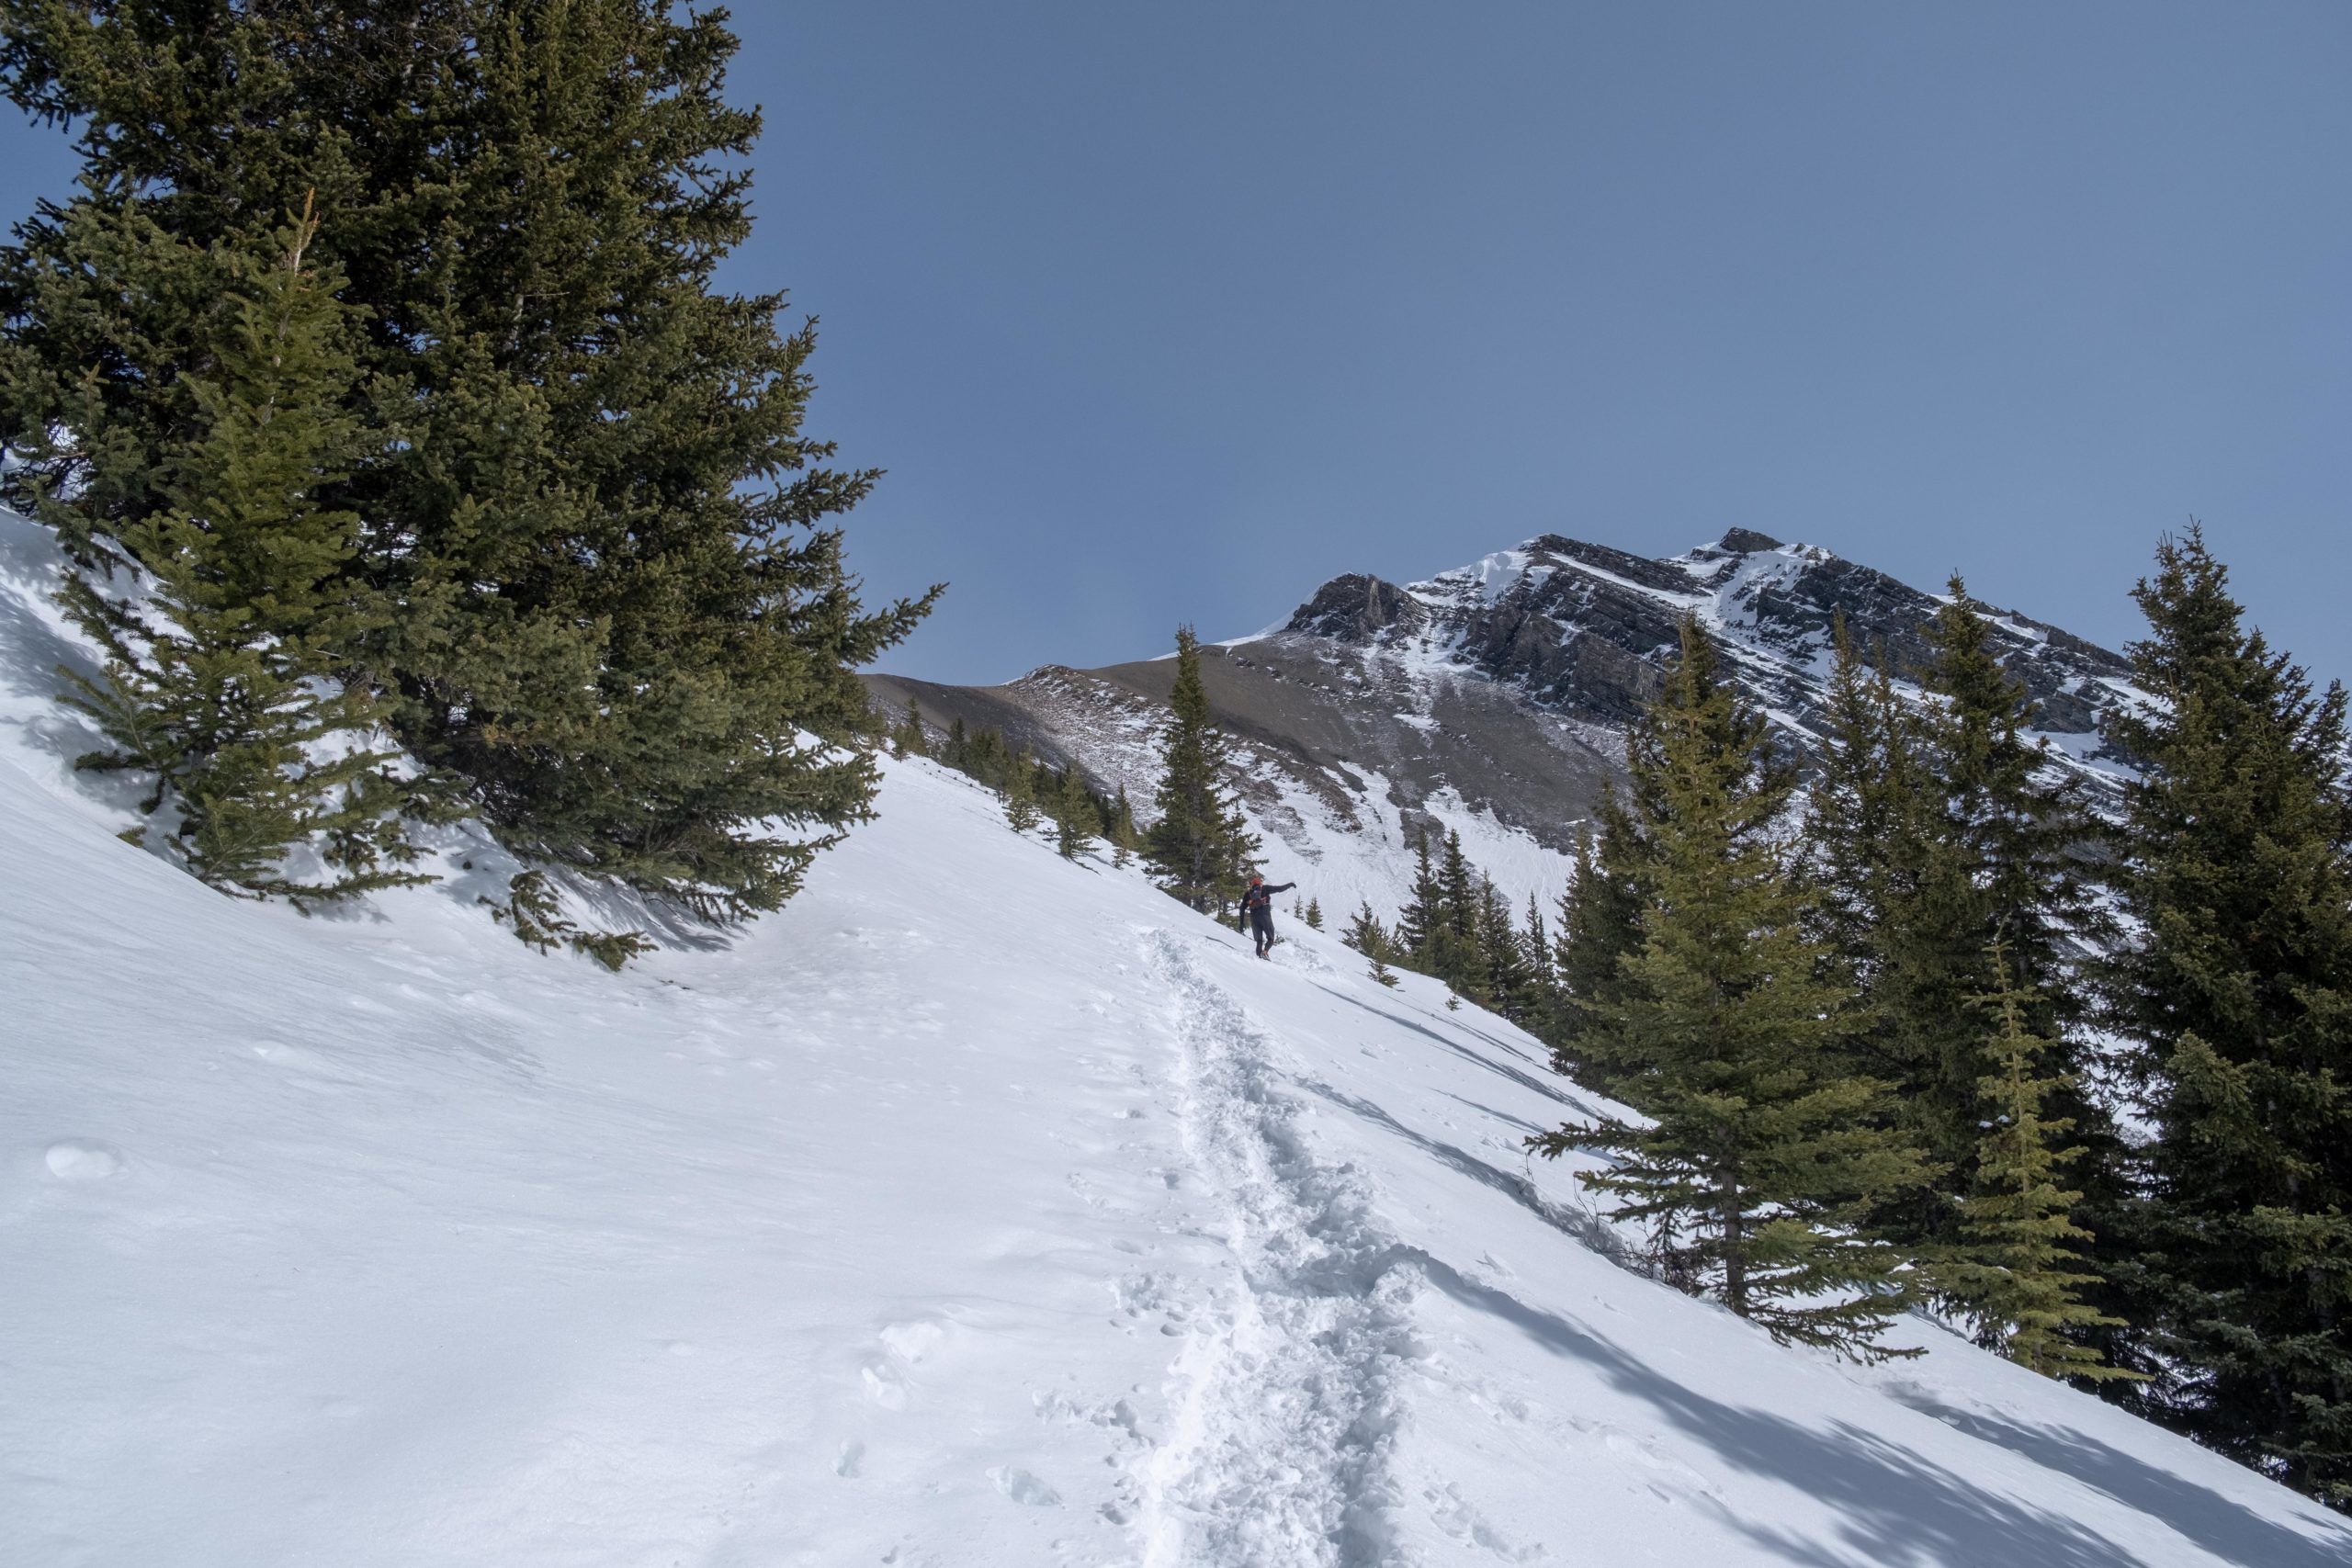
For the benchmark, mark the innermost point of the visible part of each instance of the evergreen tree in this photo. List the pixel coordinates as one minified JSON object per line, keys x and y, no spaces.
{"x":2022,"y":826}
{"x":988,"y":759}
{"x":615,"y":602}
{"x":1862,"y":811}
{"x":1200,"y":848}
{"x":1124,"y":840}
{"x":1459,"y":881}
{"x":956,"y":751}
{"x":1020,"y":807}
{"x":1506,"y":983}
{"x":1935,"y":839}
{"x":1761,"y":1158}
{"x":1536,"y":945}
{"x":1314,"y":915}
{"x":1380,"y":946}
{"x":1446,"y":916}
{"x":1424,"y":913}
{"x":1075,"y":815}
{"x":215,"y":682}
{"x":2016,"y":1265}
{"x":1365,"y":932}
{"x":1895,"y":899}
{"x":2010,"y":872}
{"x":2237,"y":992}
{"x":907,"y":738}
{"x":1599,"y":917}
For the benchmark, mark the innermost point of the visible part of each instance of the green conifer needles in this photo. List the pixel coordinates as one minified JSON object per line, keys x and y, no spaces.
{"x":2236,"y":988}
{"x":1200,"y":848}
{"x":1762,"y":1158}
{"x":2016,"y":1264}
{"x":610,"y":600}
{"x":218,"y":680}
{"x":1077,"y":819}
{"x":1021,"y":812}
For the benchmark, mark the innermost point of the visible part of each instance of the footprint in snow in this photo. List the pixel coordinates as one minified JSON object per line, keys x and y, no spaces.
{"x":914,"y":1343}
{"x":1024,"y":1488}
{"x":81,"y":1159}
{"x":884,"y":1386}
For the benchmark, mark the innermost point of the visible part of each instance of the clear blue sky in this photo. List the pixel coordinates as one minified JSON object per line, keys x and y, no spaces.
{"x":1170,"y":313}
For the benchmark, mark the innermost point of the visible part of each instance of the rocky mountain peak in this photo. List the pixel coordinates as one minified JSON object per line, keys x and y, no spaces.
{"x":1582,"y":629}
{"x":1358,"y":610}
{"x":1491,"y":699}
{"x":1746,"y":542}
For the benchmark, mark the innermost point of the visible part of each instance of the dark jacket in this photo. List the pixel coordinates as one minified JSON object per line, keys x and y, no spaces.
{"x":1257,"y":902}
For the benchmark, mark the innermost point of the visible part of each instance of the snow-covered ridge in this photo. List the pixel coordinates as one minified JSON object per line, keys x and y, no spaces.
{"x":1491,"y":699}
{"x":1581,"y":629}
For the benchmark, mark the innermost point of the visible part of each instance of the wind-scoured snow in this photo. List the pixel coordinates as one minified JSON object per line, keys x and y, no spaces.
{"x":1483,"y":581}
{"x":979,"y":1209}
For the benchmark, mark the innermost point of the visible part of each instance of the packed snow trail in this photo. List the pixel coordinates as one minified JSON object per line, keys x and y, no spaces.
{"x":1279,"y":1444}
{"x":977,"y":1210}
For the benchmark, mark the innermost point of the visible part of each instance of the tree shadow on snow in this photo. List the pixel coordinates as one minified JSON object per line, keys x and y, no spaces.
{"x":2227,"y":1529}
{"x":1525,"y":1080}
{"x":1895,"y":1508}
{"x":31,"y":652}
{"x":1588,"y":1228}
{"x":1522,"y":1122}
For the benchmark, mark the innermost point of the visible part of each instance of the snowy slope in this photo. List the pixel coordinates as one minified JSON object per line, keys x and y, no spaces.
{"x":980,"y":1209}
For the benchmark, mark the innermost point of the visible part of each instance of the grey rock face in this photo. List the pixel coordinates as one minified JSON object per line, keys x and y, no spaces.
{"x":1359,"y":611}
{"x":1505,"y":686}
{"x":1583,"y":630}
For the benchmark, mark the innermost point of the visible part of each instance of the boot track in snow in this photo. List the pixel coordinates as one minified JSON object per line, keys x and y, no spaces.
{"x":1279,"y":1447}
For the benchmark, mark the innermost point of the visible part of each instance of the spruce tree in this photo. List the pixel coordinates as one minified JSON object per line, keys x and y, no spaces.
{"x":1365,"y":932}
{"x":1457,"y":950}
{"x":2235,"y":990}
{"x":907,"y":738}
{"x":1424,"y":913}
{"x":1535,"y":946}
{"x":1200,"y":847}
{"x":1505,"y":979}
{"x":1934,"y":837}
{"x":1314,"y":915}
{"x":1075,"y":816}
{"x":987,"y":759}
{"x":1762,"y":1158}
{"x":2022,"y":827}
{"x":2010,"y":869}
{"x":1861,"y":810}
{"x":216,"y":679}
{"x":1123,"y":838}
{"x":616,"y":605}
{"x":2016,"y":1265}
{"x":1895,"y":897}
{"x":1599,"y":920}
{"x":1020,"y":807}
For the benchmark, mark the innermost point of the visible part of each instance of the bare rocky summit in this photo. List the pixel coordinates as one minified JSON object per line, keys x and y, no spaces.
{"x":1498,"y":690}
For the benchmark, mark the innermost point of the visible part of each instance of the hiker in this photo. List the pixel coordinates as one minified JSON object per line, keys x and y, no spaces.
{"x":1258,"y":903}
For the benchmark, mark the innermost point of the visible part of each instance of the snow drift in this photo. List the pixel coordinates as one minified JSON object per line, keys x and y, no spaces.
{"x":980,"y":1209}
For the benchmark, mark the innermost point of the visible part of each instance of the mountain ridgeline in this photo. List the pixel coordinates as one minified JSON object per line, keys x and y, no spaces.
{"x":1499,"y":691}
